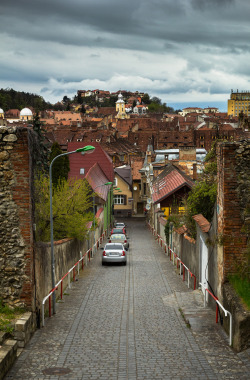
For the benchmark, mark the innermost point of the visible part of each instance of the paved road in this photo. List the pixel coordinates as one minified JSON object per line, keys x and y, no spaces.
{"x":125,"y":323}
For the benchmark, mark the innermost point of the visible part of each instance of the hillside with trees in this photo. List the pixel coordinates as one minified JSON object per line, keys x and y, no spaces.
{"x":11,"y":99}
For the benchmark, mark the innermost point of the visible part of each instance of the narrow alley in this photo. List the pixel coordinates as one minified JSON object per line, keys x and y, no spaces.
{"x":131,"y":322}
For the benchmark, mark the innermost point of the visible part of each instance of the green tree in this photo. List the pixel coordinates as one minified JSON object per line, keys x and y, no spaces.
{"x":72,"y":201}
{"x":177,"y":221}
{"x":41,"y":153}
{"x":202,"y":197}
{"x":146,"y":99}
{"x":60,"y":168}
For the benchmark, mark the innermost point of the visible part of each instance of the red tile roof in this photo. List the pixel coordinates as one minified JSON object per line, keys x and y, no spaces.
{"x":99,"y":212}
{"x":136,"y":165}
{"x":96,"y":178}
{"x":202,"y":222}
{"x":168,"y":182}
{"x":78,"y":161}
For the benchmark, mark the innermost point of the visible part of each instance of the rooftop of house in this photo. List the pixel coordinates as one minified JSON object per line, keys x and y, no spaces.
{"x":125,"y":173}
{"x":83,"y":163}
{"x":97,"y":179}
{"x":168,"y":182}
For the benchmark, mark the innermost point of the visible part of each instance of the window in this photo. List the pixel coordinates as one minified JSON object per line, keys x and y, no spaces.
{"x":119,"y":199}
{"x":115,"y":182}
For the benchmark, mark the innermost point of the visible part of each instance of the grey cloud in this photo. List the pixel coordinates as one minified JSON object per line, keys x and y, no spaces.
{"x":168,"y":46}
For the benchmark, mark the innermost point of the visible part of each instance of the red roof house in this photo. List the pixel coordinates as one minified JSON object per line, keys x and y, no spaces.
{"x":171,"y":185}
{"x":96,"y":178}
{"x":81,"y":164}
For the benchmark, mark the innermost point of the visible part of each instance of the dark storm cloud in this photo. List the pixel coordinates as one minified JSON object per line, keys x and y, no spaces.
{"x":187,"y":21}
{"x":169,"y":46}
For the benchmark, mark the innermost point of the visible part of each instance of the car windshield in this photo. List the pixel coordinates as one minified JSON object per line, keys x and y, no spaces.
{"x":113,"y":247}
{"x":118,"y":237}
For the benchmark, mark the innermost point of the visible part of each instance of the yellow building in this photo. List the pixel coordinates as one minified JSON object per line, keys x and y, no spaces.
{"x":123,"y":200}
{"x":239,"y":102}
{"x":120,"y":108}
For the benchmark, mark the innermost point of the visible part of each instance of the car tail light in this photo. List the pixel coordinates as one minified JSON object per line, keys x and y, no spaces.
{"x":123,"y":253}
{"x":104,"y":253}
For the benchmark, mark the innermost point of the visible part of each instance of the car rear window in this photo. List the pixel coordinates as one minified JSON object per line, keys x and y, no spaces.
{"x":113,"y":246}
{"x":117,"y":237}
{"x":117,"y":230}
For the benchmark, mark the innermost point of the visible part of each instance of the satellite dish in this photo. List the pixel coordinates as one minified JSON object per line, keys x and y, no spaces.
{"x":135,"y":187}
{"x":148,"y":207}
{"x":149,"y":201}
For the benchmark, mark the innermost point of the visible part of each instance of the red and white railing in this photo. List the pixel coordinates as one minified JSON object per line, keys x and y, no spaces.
{"x":83,"y":261}
{"x":218,"y":304}
{"x":173,"y":256}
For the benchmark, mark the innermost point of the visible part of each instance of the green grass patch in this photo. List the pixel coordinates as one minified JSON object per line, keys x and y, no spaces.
{"x":242,"y":288}
{"x":185,"y":320}
{"x":8,"y":316}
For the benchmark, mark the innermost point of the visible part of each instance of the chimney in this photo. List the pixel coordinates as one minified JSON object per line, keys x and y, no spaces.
{"x":194,"y":172}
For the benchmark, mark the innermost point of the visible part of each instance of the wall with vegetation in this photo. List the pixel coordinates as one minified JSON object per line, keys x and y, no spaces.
{"x":16,"y":233}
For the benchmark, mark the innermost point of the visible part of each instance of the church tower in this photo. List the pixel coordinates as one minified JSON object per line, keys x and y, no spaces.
{"x":120,"y":108}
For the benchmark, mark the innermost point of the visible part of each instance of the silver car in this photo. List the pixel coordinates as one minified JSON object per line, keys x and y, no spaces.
{"x":114,"y":253}
{"x":119,"y":238}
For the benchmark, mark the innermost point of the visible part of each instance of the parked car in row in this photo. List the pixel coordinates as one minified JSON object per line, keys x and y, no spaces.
{"x":117,"y":230}
{"x":114,"y":253}
{"x":120,"y":225}
{"x":119,"y":238}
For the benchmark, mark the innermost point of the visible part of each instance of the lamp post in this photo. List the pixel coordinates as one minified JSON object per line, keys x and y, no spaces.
{"x":85,"y":149}
{"x":105,"y":184}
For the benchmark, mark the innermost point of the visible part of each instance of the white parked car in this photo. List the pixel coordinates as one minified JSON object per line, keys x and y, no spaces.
{"x":114,"y":253}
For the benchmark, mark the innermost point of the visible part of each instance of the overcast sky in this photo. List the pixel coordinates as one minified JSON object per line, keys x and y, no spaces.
{"x":177,"y":50}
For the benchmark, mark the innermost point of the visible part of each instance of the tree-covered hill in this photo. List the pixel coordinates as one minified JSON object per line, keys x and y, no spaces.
{"x":11,"y":99}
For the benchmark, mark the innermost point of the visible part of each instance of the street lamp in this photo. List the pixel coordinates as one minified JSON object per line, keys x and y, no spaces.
{"x":105,"y":184}
{"x":85,"y":149}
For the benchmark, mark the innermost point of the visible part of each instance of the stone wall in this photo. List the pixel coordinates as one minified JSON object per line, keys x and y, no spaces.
{"x":66,"y":253}
{"x":25,"y":267}
{"x":233,"y":195}
{"x":16,"y":235}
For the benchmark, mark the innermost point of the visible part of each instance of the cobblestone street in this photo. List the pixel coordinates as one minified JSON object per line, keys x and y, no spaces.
{"x":126,"y":322}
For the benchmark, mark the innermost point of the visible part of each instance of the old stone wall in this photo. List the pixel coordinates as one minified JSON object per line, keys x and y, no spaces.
{"x":25,"y":267}
{"x":186,"y":249}
{"x":232,"y":199}
{"x":16,"y":235}
{"x":67,"y":252}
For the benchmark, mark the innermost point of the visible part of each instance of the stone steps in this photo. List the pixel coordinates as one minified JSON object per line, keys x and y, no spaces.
{"x":10,"y":348}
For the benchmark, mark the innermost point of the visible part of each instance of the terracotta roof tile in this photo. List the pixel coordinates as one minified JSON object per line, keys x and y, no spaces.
{"x":169,"y":181}
{"x":162,"y":221}
{"x":78,"y":161}
{"x":202,"y":222}
{"x":96,"y":178}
